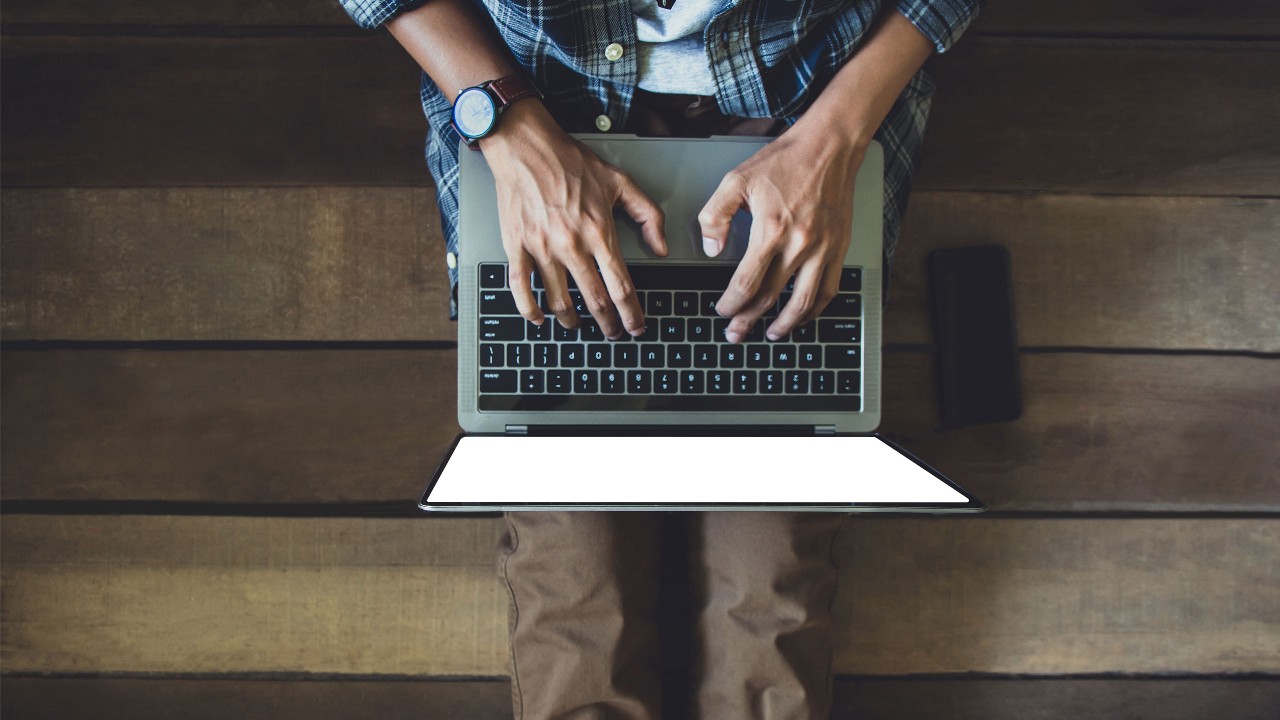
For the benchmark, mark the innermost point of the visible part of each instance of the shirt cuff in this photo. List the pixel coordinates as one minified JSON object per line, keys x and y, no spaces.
{"x":370,"y":14}
{"x":941,"y":21}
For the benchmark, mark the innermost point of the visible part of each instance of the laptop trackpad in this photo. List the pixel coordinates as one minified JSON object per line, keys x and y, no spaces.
{"x":837,"y":473}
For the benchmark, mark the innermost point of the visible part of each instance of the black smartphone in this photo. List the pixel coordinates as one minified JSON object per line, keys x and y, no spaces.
{"x":973,"y":326}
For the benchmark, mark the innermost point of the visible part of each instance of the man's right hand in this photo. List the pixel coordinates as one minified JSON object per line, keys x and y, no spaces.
{"x":555,"y":208}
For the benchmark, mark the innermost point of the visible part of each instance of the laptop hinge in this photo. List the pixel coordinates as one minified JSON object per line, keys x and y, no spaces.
{"x":517,"y":429}
{"x":824,"y":429}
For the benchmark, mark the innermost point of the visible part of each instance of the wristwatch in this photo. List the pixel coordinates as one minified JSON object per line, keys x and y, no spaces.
{"x":477,"y":109}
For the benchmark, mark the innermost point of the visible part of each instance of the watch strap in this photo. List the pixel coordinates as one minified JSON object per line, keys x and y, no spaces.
{"x":513,"y":87}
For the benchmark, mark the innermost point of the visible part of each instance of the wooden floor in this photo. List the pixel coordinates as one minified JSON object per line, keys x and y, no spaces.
{"x":227,"y":369}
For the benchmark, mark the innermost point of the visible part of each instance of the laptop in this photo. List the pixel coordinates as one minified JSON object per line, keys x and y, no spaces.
{"x":558,"y":418}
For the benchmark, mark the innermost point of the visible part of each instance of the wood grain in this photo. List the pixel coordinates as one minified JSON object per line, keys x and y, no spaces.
{"x":1042,"y":116}
{"x":856,"y":699}
{"x":224,"y":264}
{"x":211,"y":595}
{"x":367,"y":264}
{"x":1100,"y":432}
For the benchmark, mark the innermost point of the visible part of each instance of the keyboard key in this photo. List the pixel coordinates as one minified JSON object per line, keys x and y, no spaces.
{"x":824,"y":382}
{"x":691,"y":382}
{"x":658,"y":302}
{"x":845,"y":305}
{"x":705,"y":356}
{"x":650,"y":333}
{"x":839,"y":331}
{"x":497,"y":302}
{"x":497,"y":381}
{"x":771,"y":382}
{"x":707,"y":301}
{"x":810,"y":356}
{"x":807,"y":332}
{"x":784,"y":356}
{"x":758,"y":356}
{"x":502,"y":328}
{"x":842,"y":356}
{"x":698,"y":330}
{"x":719,"y":381}
{"x":612,"y":382}
{"x":572,"y":355}
{"x":536,"y":281}
{"x":491,"y":355}
{"x":851,"y":280}
{"x":652,"y":356}
{"x":626,"y":355}
{"x":797,"y":382}
{"x":538,"y":332}
{"x":640,"y":382}
{"x":665,"y":381}
{"x":559,"y":381}
{"x":590,"y":330}
{"x":519,"y":355}
{"x":744,"y":382}
{"x":545,"y":355}
{"x":731,"y":356}
{"x":579,"y":305}
{"x":686,"y":303}
{"x":532,"y":381}
{"x":671,"y":329}
{"x":756,"y":333}
{"x":493,"y":276}
{"x":682,"y":277}
{"x":679,"y":356}
{"x":847,"y":382}
{"x":563,"y":334}
{"x":598,"y":356}
{"x":586,"y":381}
{"x":718,"y":326}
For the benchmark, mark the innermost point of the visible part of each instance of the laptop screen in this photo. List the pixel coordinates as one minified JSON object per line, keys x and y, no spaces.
{"x":492,"y":472}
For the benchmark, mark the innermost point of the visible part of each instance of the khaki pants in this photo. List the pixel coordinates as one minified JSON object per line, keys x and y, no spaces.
{"x":583,"y":586}
{"x":583,"y":591}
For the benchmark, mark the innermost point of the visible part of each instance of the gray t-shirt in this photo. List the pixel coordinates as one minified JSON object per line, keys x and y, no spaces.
{"x":670,"y":55}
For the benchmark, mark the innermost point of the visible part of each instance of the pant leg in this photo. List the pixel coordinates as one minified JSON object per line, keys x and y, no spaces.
{"x":582,"y":588}
{"x":765,"y":582}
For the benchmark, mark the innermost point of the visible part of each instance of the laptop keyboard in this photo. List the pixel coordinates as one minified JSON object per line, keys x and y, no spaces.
{"x":682,"y":355}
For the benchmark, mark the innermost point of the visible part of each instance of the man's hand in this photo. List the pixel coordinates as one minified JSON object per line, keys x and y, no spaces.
{"x":799,"y":190}
{"x":555,"y":207}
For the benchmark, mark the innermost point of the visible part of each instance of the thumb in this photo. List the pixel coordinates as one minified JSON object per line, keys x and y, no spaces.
{"x":644,"y":211}
{"x":717,"y":214}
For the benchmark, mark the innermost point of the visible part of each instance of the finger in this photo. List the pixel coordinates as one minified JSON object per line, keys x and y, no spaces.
{"x":827,"y":289}
{"x":557,"y":286}
{"x":521,"y":264}
{"x":621,"y":290}
{"x":745,"y":283}
{"x":595,"y":295}
{"x":645,"y":212}
{"x":770,"y":287}
{"x":717,"y":214}
{"x":803,"y":299}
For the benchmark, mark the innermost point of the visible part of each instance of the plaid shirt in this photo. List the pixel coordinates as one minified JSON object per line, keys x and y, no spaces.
{"x":768,"y":60}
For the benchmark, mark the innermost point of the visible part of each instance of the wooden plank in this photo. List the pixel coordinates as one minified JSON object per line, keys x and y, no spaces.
{"x":1122,"y":272}
{"x":1189,"y":118}
{"x":214,"y":595}
{"x":364,"y":264}
{"x":224,"y":264}
{"x":1153,"y":18}
{"x":226,"y":426}
{"x":1100,"y":432}
{"x":860,"y":699}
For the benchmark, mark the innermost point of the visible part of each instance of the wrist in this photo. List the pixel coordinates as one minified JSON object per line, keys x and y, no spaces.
{"x":525,"y":121}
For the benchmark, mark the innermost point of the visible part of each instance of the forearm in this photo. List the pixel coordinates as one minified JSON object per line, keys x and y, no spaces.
{"x":859,"y":97}
{"x":453,"y":43}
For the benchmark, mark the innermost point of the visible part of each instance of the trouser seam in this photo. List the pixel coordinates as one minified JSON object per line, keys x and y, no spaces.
{"x":514,"y":620}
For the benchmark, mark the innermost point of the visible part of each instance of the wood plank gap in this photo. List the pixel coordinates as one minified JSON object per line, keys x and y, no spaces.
{"x":76,"y":30}
{"x":187,"y":345}
{"x":1158,"y":39}
{"x":1123,"y":42}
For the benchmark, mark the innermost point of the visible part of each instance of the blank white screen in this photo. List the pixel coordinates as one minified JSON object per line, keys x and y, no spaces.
{"x":498,"y":470}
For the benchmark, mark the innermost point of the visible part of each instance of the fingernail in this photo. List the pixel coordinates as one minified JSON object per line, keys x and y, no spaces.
{"x":636,"y":333}
{"x":710,"y":246}
{"x":772,"y":336}
{"x":733,"y":336}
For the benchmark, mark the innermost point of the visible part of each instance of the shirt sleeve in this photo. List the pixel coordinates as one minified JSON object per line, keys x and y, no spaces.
{"x":942,"y":21}
{"x":370,"y":14}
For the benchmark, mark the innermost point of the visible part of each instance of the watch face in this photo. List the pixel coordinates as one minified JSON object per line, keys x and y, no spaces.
{"x":474,"y":112}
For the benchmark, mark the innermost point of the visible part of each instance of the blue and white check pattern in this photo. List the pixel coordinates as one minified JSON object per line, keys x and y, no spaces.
{"x":769,"y":61}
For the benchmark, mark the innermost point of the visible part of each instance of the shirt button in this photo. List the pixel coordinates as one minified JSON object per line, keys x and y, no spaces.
{"x":603,"y":123}
{"x":613,"y":52}
{"x":451,"y":260}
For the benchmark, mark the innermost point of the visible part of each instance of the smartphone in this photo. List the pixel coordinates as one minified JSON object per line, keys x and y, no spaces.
{"x":973,"y":325}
